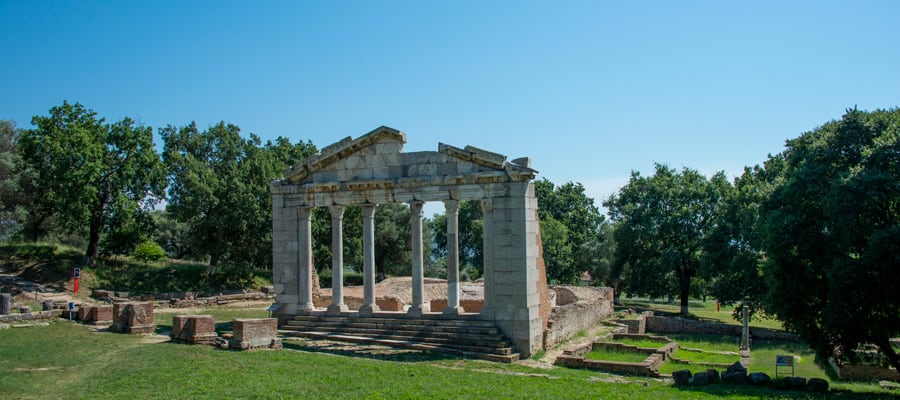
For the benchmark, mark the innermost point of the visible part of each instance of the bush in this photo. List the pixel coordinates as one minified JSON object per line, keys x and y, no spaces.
{"x":149,"y":251}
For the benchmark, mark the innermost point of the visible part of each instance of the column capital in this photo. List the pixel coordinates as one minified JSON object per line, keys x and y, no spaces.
{"x":451,"y":206}
{"x":337,"y":212}
{"x":368,"y":210}
{"x":415,"y":207}
{"x":304,"y":212}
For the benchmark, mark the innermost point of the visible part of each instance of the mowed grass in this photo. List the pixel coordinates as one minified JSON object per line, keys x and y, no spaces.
{"x":616,"y":355}
{"x":69,"y":361}
{"x":639,"y":342}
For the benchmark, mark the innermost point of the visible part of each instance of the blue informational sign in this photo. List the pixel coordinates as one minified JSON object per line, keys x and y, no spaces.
{"x":77,"y":273}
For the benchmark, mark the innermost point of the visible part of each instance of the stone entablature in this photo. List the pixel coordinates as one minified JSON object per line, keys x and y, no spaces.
{"x":373,"y":170}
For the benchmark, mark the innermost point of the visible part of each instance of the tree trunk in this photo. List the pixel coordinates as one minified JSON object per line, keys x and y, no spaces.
{"x":213,"y":262}
{"x":93,"y":240}
{"x":684,"y":283}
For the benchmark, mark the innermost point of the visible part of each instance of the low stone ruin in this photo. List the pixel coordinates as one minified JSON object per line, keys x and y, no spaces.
{"x":133,"y":317}
{"x":255,"y":333}
{"x":194,"y":329}
{"x":574,"y":357}
{"x":737,"y":374}
{"x":574,"y":309}
{"x":95,"y":315}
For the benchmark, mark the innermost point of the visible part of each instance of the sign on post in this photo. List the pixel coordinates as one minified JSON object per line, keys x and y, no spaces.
{"x":784,"y":361}
{"x":76,"y":273}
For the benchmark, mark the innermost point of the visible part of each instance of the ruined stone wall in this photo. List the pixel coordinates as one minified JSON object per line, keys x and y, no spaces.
{"x":584,"y":308}
{"x":659,"y":324}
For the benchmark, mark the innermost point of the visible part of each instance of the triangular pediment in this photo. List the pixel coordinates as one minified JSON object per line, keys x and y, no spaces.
{"x":378,"y":157}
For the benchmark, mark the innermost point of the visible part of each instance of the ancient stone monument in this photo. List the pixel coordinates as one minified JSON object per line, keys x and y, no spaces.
{"x":5,"y":303}
{"x":97,"y":315}
{"x":372,"y":170}
{"x":133,"y":317}
{"x":255,"y":333}
{"x":194,"y":329}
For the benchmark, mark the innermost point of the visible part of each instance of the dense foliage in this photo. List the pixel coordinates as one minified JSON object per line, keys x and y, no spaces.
{"x":94,"y":176}
{"x":831,"y":231}
{"x":219,"y":189}
{"x":663,"y":221}
{"x":571,"y":227}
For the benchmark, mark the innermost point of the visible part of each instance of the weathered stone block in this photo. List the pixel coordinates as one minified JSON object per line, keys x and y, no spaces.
{"x":252,"y":333}
{"x":5,"y":303}
{"x":133,"y":317}
{"x":95,"y":315}
{"x":194,"y":329}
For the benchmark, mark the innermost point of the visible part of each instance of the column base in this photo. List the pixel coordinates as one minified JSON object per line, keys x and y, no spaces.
{"x":369,"y":309}
{"x":337,"y":309}
{"x":419,"y":310}
{"x":454,"y":311}
{"x":306,"y":307}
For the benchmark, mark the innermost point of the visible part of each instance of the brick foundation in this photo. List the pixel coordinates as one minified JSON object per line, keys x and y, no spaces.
{"x":194,"y":329}
{"x":133,"y":317}
{"x":254,"y":333}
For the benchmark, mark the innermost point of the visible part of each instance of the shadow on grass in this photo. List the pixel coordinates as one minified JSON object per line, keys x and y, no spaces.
{"x":373,"y":352}
{"x":723,"y":390}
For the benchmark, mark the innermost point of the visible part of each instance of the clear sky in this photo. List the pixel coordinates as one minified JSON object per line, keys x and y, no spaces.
{"x":590,"y":90}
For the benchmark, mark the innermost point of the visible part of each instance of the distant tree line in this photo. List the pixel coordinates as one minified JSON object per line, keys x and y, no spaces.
{"x":811,"y":236}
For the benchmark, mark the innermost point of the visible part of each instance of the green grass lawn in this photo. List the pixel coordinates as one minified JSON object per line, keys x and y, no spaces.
{"x":705,"y":357}
{"x":70,"y":361}
{"x":615,"y":355}
{"x":639,"y":342}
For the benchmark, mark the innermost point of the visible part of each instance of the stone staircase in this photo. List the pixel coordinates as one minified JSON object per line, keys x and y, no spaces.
{"x":468,"y":337}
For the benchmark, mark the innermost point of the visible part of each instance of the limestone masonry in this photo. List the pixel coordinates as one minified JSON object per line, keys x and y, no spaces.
{"x":372,"y":170}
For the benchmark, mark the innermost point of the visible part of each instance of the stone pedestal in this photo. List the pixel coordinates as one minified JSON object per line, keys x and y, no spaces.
{"x":194,"y":329}
{"x":133,"y":317}
{"x":95,"y":315}
{"x":255,"y":333}
{"x":5,"y":303}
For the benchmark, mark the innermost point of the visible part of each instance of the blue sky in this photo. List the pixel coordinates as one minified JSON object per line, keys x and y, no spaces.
{"x":589,"y":90}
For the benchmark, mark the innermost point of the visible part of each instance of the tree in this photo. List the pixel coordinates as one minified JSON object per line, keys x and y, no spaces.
{"x":663,"y":222}
{"x":471,"y":233}
{"x":581,"y":240}
{"x":733,"y":252}
{"x":12,"y":198}
{"x":220,"y":188}
{"x":831,"y":232}
{"x":393,"y":240}
{"x":88,"y":172}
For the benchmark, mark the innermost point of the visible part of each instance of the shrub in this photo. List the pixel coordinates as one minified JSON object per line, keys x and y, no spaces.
{"x":149,"y":251}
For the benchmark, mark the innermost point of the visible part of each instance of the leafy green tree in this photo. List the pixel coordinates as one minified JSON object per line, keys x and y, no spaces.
{"x":832,"y":234}
{"x":87,"y":171}
{"x":471,"y":232}
{"x":663,"y":222}
{"x":393,"y":240}
{"x":580,"y":245}
{"x":220,"y":188}
{"x":13,"y":199}
{"x":733,"y":252}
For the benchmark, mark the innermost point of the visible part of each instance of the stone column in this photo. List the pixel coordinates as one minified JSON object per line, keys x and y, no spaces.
{"x":452,"y":209}
{"x":369,"y":306}
{"x":337,"y":260}
{"x":418,"y":306}
{"x":5,"y":303}
{"x":304,"y":260}
{"x":487,"y":210}
{"x":745,"y":328}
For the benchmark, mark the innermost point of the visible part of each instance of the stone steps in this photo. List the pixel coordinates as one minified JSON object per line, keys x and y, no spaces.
{"x":468,"y":336}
